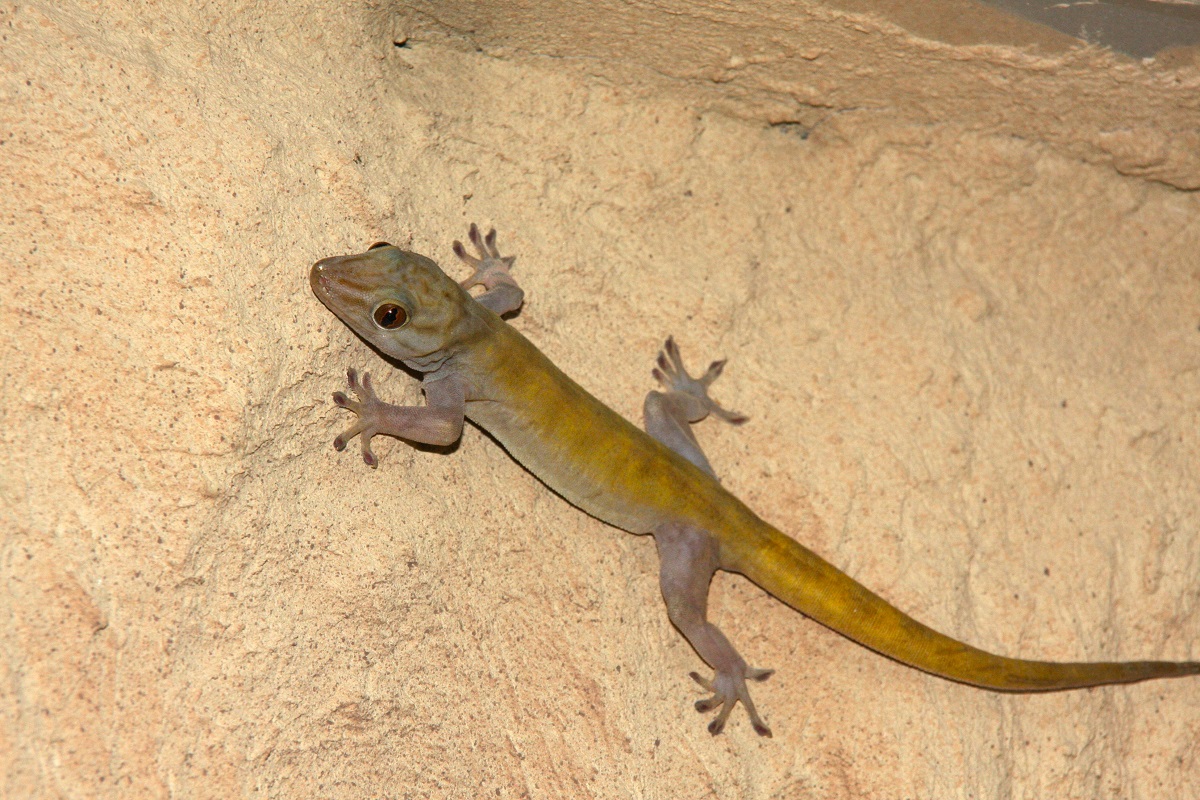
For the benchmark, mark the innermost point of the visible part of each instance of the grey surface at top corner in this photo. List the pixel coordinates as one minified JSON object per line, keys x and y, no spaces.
{"x":1139,"y":28}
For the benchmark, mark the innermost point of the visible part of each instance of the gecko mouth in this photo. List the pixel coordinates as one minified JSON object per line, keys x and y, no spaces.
{"x":318,"y":280}
{"x":335,"y":285}
{"x":335,"y":278}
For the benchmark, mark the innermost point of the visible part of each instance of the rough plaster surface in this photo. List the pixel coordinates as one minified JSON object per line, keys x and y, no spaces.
{"x":964,"y":321}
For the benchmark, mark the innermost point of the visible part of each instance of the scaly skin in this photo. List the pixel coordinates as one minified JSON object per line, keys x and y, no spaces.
{"x":476,"y":365}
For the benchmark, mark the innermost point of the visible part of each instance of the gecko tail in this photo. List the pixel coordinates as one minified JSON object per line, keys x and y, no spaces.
{"x":814,"y":587}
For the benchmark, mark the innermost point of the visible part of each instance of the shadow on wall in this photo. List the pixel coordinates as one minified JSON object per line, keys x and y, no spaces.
{"x":1139,"y":28}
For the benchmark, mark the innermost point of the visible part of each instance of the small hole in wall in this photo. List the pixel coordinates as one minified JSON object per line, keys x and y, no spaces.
{"x":793,"y":129}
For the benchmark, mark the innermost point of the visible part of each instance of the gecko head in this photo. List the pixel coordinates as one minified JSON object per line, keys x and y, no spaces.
{"x":400,"y":302}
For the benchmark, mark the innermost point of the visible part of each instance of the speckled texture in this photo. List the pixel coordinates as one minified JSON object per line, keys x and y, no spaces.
{"x":965,"y":329}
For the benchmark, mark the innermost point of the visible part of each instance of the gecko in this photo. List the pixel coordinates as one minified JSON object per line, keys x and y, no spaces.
{"x":475,"y":365}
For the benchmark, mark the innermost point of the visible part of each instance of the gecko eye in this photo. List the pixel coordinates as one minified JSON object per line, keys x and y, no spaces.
{"x":380,"y":244}
{"x":389,"y":316}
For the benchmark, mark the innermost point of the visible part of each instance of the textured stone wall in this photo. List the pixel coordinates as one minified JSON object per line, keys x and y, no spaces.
{"x":957,"y":282}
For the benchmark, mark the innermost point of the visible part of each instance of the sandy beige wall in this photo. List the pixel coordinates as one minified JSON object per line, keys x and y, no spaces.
{"x":970,"y":348}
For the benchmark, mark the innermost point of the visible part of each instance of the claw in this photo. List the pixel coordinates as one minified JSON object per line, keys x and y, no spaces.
{"x":718,"y":724}
{"x":759,"y":675}
{"x":714,"y":371}
{"x":339,"y":442}
{"x":461,"y":252}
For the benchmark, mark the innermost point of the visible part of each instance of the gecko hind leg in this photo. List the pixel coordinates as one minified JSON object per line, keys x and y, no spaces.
{"x":688,"y":557}
{"x":669,"y":416}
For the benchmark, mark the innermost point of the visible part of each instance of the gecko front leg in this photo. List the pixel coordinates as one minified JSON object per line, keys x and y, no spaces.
{"x":502,"y":294}
{"x":440,"y":422}
{"x":669,"y":415}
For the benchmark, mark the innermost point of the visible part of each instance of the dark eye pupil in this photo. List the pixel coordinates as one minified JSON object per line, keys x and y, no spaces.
{"x":390,"y":316}
{"x":379,"y":244}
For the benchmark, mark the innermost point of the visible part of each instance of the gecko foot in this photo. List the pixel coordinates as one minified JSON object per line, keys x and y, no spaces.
{"x":728,"y":688}
{"x":671,"y":373}
{"x":367,"y":406}
{"x":491,"y":268}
